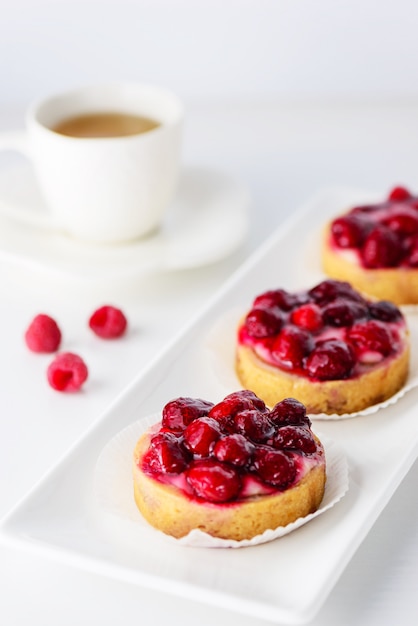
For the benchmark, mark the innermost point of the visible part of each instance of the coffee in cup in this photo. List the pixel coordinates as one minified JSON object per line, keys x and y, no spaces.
{"x":107,"y":159}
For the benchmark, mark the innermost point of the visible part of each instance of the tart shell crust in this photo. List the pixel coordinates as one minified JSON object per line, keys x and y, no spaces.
{"x":168,"y":509}
{"x":330,"y":396}
{"x":399,"y":285}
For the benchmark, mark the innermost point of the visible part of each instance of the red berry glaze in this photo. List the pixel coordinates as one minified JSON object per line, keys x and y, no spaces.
{"x":343,"y":312}
{"x":382,"y":234}
{"x":275,"y":467}
{"x":201,"y":435}
{"x":291,"y":346}
{"x":43,"y":334}
{"x":331,"y":336}
{"x":329,"y":290}
{"x":235,"y":449}
{"x":224,"y":411}
{"x":308,"y":316}
{"x":384,"y":311}
{"x":295,"y":438}
{"x":350,"y":231}
{"x":277,"y":298}
{"x":213,"y":481}
{"x":108,"y":322}
{"x":411,"y":251}
{"x":67,"y":372}
{"x":404,"y":222}
{"x":289,"y":411}
{"x":254,"y":425}
{"x":331,"y":359}
{"x":382,"y":248}
{"x":399,"y":194}
{"x":166,"y":454}
{"x":371,"y":337}
{"x":178,"y":413}
{"x":263,"y":450}
{"x":263,"y":322}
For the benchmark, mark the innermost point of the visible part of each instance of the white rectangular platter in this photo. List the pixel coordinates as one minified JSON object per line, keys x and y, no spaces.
{"x":286,"y":580}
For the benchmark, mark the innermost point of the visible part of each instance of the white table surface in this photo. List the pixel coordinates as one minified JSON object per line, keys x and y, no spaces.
{"x":284,"y":154}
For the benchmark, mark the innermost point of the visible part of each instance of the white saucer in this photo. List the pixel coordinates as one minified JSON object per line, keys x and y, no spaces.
{"x":207,"y":221}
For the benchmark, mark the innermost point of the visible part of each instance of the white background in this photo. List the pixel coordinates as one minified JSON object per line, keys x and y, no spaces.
{"x":288,"y":95}
{"x":254,"y":49}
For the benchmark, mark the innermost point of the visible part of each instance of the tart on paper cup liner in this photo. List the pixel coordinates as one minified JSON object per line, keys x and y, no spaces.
{"x":113,"y":486}
{"x":220,"y":345}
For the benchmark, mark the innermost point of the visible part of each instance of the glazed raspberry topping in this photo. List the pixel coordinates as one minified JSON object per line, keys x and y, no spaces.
{"x":275,"y":467}
{"x":307,"y":316}
{"x":167,"y":454}
{"x":264,"y":322}
{"x":201,"y":435}
{"x":291,"y":346}
{"x":180,"y":412}
{"x":213,"y":481}
{"x":43,"y":334}
{"x":289,"y":411}
{"x":235,"y":449}
{"x":381,"y":235}
{"x":335,"y":334}
{"x":331,"y":359}
{"x":245,"y":451}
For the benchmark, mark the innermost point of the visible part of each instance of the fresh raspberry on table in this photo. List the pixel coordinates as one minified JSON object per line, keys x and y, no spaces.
{"x":108,"y":322}
{"x":43,"y":334}
{"x":67,"y":372}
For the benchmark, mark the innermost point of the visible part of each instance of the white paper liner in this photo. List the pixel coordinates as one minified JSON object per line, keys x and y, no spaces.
{"x":409,"y":308}
{"x":221,"y":345}
{"x":113,"y":485}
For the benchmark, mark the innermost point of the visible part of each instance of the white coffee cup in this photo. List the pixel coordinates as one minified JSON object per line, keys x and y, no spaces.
{"x":105,"y":189}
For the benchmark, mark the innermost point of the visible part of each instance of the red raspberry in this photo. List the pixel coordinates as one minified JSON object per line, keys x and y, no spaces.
{"x":254,"y":425}
{"x":350,"y":231}
{"x":403,"y":222}
{"x":165,"y":454}
{"x":277,"y":298}
{"x":67,"y":372}
{"x":234,"y":449}
{"x":382,"y":248}
{"x":108,"y":322}
{"x":274,"y":467}
{"x":343,"y":313}
{"x":43,"y":334}
{"x":224,"y":411}
{"x":332,"y":359}
{"x":250,"y":396}
{"x":384,"y":311}
{"x":364,"y":210}
{"x":213,"y":481}
{"x":237,"y":401}
{"x":201,"y":435}
{"x":291,"y":346}
{"x":372,"y":336}
{"x":263,"y":322}
{"x":307,"y":316}
{"x":289,"y":411}
{"x":329,"y":290}
{"x":399,"y":194}
{"x":295,"y":438}
{"x":410,"y":245}
{"x":178,"y":413}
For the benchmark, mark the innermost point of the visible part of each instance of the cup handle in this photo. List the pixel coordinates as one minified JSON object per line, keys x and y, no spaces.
{"x":18,"y":141}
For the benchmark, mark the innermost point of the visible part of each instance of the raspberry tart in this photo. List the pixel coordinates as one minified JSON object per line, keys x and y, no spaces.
{"x":232,"y":470}
{"x":375,"y":248}
{"x":329,"y":347}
